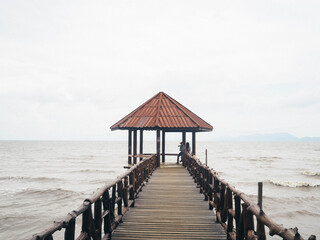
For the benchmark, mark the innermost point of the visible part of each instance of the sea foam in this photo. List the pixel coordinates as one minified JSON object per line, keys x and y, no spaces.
{"x":293,"y":184}
{"x":310,"y":173}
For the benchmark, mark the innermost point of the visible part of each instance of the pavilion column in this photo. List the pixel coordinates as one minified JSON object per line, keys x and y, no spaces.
{"x":163,"y":146}
{"x":129,"y":146}
{"x":193,"y":143}
{"x":184,"y":144}
{"x":158,"y":147}
{"x":184,"y":138}
{"x":141,"y":143}
{"x":135,"y":146}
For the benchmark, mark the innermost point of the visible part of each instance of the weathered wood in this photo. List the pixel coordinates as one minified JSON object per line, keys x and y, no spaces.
{"x":193,"y":143}
{"x":230,"y":213}
{"x":91,"y":228}
{"x":158,"y":148}
{"x":261,"y":234}
{"x":184,"y":138}
{"x":163,"y":219}
{"x":70,"y":230}
{"x":129,"y":146}
{"x":163,"y":146}
{"x":170,"y":207}
{"x":141,"y":144}
{"x":237,"y":209}
{"x":86,"y":221}
{"x":253,"y":208}
{"x":135,"y":141}
{"x":98,"y":218}
{"x":125,"y":192}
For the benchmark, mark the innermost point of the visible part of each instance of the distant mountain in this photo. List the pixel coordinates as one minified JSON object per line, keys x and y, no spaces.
{"x":310,"y":139}
{"x":272,"y":137}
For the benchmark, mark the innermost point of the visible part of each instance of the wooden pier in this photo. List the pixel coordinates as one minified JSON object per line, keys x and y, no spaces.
{"x":170,"y":207}
{"x":150,"y":202}
{"x":160,"y":201}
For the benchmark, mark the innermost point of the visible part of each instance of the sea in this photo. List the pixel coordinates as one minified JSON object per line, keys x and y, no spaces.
{"x":41,"y":181}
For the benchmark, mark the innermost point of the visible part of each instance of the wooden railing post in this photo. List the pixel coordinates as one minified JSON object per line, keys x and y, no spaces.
{"x":237,"y":208}
{"x":216,"y":198}
{"x":230,"y":212}
{"x":251,"y":233}
{"x":106,"y":200}
{"x":113,"y":202}
{"x":210,"y":190}
{"x":125,"y":192}
{"x":119,"y":200}
{"x":86,"y":222}
{"x":97,"y":218}
{"x":70,"y":230}
{"x":132,"y":187}
{"x":223,"y":210}
{"x":248,"y":225}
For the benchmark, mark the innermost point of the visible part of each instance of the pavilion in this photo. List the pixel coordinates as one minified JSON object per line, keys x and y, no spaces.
{"x":160,"y":113}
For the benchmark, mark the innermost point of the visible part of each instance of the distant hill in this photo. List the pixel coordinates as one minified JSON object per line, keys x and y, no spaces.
{"x":272,"y":137}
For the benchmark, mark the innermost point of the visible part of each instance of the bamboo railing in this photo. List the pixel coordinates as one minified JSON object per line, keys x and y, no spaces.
{"x":234,"y":210}
{"x":104,"y":210}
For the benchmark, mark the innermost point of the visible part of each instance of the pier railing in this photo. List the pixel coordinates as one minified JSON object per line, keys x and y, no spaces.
{"x":234,"y":210}
{"x":103,"y":211}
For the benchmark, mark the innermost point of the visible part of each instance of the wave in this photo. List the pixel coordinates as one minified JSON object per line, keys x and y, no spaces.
{"x":36,"y":179}
{"x":264,"y":159}
{"x":94,"y":171}
{"x":293,"y":184}
{"x":55,"y":191}
{"x":309,"y":173}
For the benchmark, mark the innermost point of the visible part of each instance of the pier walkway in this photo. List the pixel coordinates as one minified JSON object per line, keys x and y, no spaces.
{"x":162,"y":201}
{"x":155,"y":200}
{"x":170,"y":207}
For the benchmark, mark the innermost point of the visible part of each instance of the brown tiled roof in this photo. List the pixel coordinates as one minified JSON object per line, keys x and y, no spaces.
{"x":162,"y":112}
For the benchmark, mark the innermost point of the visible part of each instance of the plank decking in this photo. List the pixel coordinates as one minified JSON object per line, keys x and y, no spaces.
{"x":170,"y":207}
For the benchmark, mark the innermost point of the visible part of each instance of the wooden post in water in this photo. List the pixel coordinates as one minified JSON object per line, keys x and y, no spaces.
{"x":141,"y":143}
{"x":260,"y":195}
{"x":193,"y":143}
{"x":158,"y":147}
{"x":206,"y":157}
{"x":135,"y":146}
{"x":261,"y":233}
{"x":163,"y":146}
{"x":129,"y":146}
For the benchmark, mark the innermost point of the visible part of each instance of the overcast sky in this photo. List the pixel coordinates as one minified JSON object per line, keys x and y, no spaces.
{"x":71,"y":69}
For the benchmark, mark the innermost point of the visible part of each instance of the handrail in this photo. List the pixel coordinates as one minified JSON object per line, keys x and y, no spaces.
{"x":219,"y":193}
{"x":124,"y":190}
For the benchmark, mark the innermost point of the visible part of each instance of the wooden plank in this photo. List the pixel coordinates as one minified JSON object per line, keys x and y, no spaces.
{"x":170,"y":207}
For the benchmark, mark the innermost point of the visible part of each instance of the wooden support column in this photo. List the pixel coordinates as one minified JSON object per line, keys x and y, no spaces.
{"x":141,"y":143}
{"x":163,"y":146}
{"x":129,"y":146}
{"x":158,"y":148}
{"x":193,"y":143}
{"x":184,"y":138}
{"x":135,"y":146}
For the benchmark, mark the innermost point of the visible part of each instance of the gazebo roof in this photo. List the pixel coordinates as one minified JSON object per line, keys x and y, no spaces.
{"x":162,"y":112}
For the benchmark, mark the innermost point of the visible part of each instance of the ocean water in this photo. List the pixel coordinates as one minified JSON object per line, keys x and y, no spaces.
{"x":42,"y":181}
